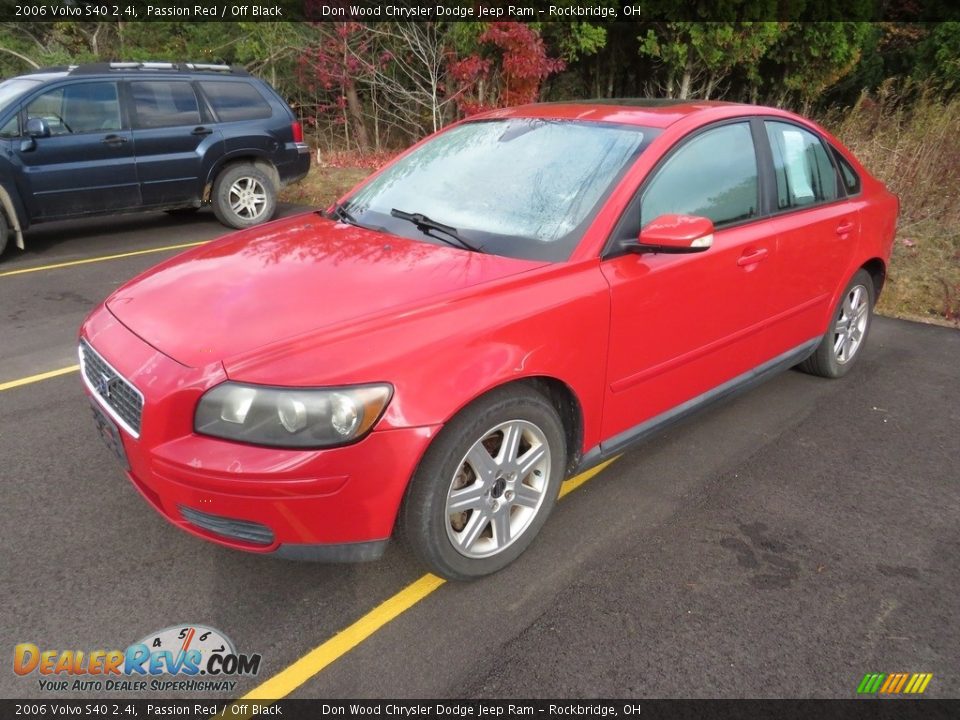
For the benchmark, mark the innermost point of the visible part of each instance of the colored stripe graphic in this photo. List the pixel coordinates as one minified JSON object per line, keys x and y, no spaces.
{"x":894,"y":683}
{"x":867,"y":684}
{"x":891,"y":680}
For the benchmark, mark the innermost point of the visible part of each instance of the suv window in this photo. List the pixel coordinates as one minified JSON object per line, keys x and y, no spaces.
{"x":714,"y":175}
{"x":164,"y":104}
{"x":805,"y":175}
{"x":11,"y":128}
{"x":235,"y":101}
{"x":78,"y":108}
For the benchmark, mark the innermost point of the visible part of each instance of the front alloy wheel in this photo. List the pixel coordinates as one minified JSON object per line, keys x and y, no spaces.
{"x":486,"y":484}
{"x":498,"y":489}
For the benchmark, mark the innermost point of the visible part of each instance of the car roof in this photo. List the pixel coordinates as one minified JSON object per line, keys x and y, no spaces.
{"x":646,"y":112}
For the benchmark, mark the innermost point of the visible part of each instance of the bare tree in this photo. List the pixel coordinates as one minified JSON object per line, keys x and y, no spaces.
{"x":406,"y":75}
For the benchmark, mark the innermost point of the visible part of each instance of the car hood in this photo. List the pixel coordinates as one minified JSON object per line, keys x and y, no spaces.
{"x":288,"y":278}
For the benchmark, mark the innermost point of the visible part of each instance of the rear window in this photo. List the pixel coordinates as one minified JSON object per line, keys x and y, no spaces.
{"x":805,"y":175}
{"x":164,"y":104}
{"x":235,"y":101}
{"x":851,"y":181}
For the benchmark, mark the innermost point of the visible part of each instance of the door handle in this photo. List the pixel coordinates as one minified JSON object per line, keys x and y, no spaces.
{"x":751,"y":256}
{"x":201,"y":131}
{"x":845,"y":228}
{"x":114,"y":140}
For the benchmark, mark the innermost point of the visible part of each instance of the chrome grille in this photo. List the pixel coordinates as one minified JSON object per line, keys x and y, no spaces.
{"x":115,"y":393}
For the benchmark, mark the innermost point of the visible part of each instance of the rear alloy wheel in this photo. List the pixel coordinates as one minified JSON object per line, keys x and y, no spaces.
{"x":244,"y":196}
{"x":844,"y":339}
{"x":486,"y":486}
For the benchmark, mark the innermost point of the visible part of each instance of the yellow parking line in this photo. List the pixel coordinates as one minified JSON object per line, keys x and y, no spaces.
{"x":101,"y":258}
{"x":9,"y":385}
{"x":288,"y":680}
{"x":295,"y":675}
{"x":573,"y":483}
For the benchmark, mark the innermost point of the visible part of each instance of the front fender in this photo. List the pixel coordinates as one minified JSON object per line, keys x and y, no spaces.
{"x":551,"y":322}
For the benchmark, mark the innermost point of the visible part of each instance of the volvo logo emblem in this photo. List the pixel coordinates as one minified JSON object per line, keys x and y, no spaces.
{"x":103,"y":384}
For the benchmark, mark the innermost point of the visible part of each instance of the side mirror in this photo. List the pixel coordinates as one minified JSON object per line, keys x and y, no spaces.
{"x":673,"y":234}
{"x":38,"y":128}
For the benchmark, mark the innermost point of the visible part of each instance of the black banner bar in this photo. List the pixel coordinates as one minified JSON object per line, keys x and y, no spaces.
{"x":595,"y":11}
{"x":868,"y":709}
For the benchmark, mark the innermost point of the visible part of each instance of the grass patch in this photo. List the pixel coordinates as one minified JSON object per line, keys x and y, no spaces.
{"x":323,"y":185}
{"x":911,"y":142}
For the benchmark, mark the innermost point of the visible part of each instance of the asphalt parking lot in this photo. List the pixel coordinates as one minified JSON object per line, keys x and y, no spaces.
{"x":781,"y":545}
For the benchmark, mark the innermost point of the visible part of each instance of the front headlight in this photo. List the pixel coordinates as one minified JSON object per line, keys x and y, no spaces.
{"x":291,"y":418}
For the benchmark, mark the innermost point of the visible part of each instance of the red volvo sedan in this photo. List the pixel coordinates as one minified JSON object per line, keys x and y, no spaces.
{"x":511,"y":301}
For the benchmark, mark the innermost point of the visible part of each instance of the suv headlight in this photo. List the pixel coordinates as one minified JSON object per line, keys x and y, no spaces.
{"x":288,"y":417}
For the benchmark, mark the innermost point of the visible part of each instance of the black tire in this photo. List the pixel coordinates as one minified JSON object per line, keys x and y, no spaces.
{"x":827,"y":361}
{"x":4,"y":234}
{"x":425,"y":523}
{"x":230,"y":187}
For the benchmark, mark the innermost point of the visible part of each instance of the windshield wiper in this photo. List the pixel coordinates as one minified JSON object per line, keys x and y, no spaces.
{"x":340,"y":212}
{"x":425,"y":224}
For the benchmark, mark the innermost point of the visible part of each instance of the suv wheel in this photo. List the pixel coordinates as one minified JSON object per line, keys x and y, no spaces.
{"x":244,"y":196}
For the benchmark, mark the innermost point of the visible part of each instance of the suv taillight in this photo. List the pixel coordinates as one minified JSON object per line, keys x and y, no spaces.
{"x":297,"y":131}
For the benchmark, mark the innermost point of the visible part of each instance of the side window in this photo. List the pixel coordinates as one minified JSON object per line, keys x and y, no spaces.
{"x":164,"y":104}
{"x":805,"y":175}
{"x":235,"y":100}
{"x":79,"y":108}
{"x":851,"y":181}
{"x":11,"y":128}
{"x":713,"y":176}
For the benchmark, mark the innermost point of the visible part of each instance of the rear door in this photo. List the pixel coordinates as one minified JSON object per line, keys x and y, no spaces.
{"x":87,"y":164}
{"x":682,"y":325}
{"x":172,"y":134}
{"x":817,"y":229}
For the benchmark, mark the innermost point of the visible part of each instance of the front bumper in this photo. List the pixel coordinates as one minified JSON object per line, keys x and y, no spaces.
{"x":336,"y":504}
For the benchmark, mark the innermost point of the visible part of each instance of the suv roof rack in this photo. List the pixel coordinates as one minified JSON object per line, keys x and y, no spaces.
{"x":108,"y":67}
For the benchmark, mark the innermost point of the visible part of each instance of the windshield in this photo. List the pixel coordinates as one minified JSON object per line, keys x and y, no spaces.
{"x":14,"y":88}
{"x":520,"y":187}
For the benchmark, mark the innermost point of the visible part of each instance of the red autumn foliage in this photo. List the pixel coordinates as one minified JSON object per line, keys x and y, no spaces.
{"x":508,"y":70}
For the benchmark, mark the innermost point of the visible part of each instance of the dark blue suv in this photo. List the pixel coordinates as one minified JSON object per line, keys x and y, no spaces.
{"x":123,"y":137}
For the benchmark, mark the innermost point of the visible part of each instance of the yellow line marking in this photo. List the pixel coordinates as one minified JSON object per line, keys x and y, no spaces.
{"x":101,"y":258}
{"x":923,"y":686}
{"x":573,"y":483}
{"x":295,"y":675}
{"x":37,"y":378}
{"x":286,"y":681}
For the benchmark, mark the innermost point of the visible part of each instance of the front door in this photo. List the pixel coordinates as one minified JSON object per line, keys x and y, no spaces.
{"x":682,"y":325}
{"x":86,"y":165}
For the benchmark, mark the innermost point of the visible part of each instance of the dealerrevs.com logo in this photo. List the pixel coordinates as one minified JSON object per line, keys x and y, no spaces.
{"x":186,"y":658}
